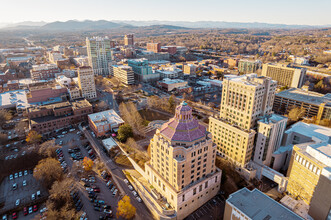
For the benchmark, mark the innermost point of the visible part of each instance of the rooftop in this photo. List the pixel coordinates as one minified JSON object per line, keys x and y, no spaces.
{"x":305,"y":96}
{"x":273,"y":118}
{"x":251,"y":79}
{"x":172,"y":81}
{"x":14,"y":98}
{"x":258,"y":206}
{"x":109,"y":143}
{"x":75,"y":105}
{"x":106,"y":117}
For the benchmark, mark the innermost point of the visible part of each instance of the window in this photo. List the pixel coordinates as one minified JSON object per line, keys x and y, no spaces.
{"x":183,"y":198}
{"x":194,"y":191}
{"x":200,"y":188}
{"x":206,"y":184}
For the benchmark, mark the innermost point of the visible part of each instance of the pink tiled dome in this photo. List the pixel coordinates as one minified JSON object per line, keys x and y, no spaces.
{"x":183,"y":127}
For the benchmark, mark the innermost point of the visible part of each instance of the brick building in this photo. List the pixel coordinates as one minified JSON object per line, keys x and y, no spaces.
{"x":48,"y":118}
{"x":44,"y":71}
{"x":47,"y":94}
{"x":154,"y":47}
{"x":103,"y":122}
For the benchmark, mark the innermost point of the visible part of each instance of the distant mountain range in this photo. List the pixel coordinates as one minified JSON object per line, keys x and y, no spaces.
{"x":74,"y":25}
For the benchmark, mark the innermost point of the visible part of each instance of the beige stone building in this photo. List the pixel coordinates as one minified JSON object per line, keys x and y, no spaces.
{"x":285,"y":75}
{"x":244,"y":100}
{"x":182,"y":166}
{"x":86,"y":82}
{"x":124,"y":74}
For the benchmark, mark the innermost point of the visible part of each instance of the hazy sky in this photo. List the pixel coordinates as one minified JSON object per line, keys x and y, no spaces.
{"x":317,"y":12}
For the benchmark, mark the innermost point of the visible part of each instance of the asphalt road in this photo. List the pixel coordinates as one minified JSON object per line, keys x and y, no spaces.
{"x":118,"y":176}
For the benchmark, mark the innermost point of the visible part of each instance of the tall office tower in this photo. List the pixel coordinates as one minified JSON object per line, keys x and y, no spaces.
{"x":99,"y":54}
{"x":182,"y":166}
{"x":244,"y":100}
{"x":269,"y":137}
{"x":285,"y":75}
{"x":154,"y":47}
{"x":124,"y":74}
{"x":86,"y":82}
{"x":128,"y":40}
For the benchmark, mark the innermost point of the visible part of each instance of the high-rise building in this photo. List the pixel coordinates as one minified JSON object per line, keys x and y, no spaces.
{"x":255,"y":205}
{"x":124,"y":73}
{"x":244,"y":100}
{"x":269,"y":137}
{"x":86,"y":82}
{"x":143,"y":72}
{"x":154,"y":47}
{"x":310,"y":158}
{"x":285,"y":75}
{"x":99,"y":54}
{"x":247,"y":66}
{"x":128,"y":40}
{"x":182,"y":166}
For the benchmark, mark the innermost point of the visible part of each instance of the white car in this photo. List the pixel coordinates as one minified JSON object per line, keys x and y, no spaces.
{"x":130,"y":187}
{"x":38,"y":193}
{"x":33,"y":196}
{"x":134,"y":193}
{"x":24,"y":182}
{"x":20,"y":174}
{"x":30,"y":210}
{"x":126,"y":181}
{"x":17,"y":202}
{"x":138,"y":198}
{"x":16,"y":175}
{"x":11,"y":177}
{"x":14,"y":186}
{"x":25,"y":172}
{"x":4,"y":217}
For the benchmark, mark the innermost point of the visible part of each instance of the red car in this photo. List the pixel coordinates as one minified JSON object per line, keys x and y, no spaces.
{"x":97,"y":190}
{"x":14,"y":215}
{"x":35,"y":208}
{"x":25,"y":210}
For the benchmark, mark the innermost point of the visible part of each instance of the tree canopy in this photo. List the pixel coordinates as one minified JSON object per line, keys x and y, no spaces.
{"x":125,"y":209}
{"x":124,"y":132}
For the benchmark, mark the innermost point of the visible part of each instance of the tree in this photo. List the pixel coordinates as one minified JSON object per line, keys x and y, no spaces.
{"x":102,"y":106}
{"x":124,"y":132}
{"x":20,"y":128}
{"x":4,"y":116}
{"x":48,"y":170}
{"x":87,"y":164}
{"x":325,"y":122}
{"x":48,"y":148}
{"x":33,"y":137}
{"x":296,"y":113}
{"x":172,"y":104}
{"x":125,"y":209}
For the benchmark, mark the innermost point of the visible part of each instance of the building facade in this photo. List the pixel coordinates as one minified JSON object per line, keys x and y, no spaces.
{"x":182,"y":166}
{"x":247,"y":66}
{"x":143,"y":72}
{"x":154,"y":47}
{"x":103,"y":122}
{"x":285,"y":75}
{"x":129,"y":40}
{"x":124,"y":73}
{"x":44,"y":71}
{"x":316,"y":104}
{"x":99,"y":54}
{"x":244,"y":100}
{"x":48,"y":118}
{"x":47,"y":94}
{"x":86,"y":82}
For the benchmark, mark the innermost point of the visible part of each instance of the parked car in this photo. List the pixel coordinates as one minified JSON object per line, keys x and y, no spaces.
{"x":14,"y":186}
{"x":24,"y":182}
{"x":25,"y":172}
{"x":126,"y":181}
{"x":17,"y":203}
{"x":35,"y":208}
{"x":33,"y":196}
{"x":16,"y":175}
{"x":130,"y":187}
{"x":14,"y":215}
{"x":138,"y":198}
{"x":11,"y":177}
{"x":30,"y":209}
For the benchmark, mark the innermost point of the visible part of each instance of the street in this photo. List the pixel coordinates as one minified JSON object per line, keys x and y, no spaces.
{"x":118,"y":176}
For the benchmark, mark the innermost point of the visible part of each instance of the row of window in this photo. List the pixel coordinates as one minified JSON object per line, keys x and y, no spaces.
{"x":308,"y":165}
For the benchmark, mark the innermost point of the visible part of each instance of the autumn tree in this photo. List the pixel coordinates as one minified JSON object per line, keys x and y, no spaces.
{"x":296,"y":113}
{"x":131,"y":115}
{"x":172,"y":103}
{"x":20,"y":128}
{"x":125,"y":209}
{"x":48,"y":170}
{"x":102,"y":106}
{"x":124,"y":132}
{"x":33,"y":137}
{"x":5,"y":116}
{"x":87,"y":164}
{"x":48,"y":148}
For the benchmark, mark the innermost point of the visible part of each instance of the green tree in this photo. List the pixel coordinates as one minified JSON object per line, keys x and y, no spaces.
{"x":124,"y":132}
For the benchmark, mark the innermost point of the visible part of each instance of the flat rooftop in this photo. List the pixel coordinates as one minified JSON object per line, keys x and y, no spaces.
{"x":258,"y":206}
{"x":106,"y":117}
{"x":75,"y":105}
{"x":305,"y":96}
{"x":251,"y":79}
{"x":16,"y":98}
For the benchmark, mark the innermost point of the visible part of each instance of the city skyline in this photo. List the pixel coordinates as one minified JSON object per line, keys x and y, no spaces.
{"x":284,"y":12}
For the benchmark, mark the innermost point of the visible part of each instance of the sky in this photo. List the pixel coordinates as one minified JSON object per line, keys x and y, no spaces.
{"x":306,"y":12}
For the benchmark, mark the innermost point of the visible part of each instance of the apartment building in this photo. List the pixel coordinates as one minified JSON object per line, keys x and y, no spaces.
{"x":316,"y":104}
{"x":154,"y":47}
{"x":244,"y":100}
{"x":44,"y":71}
{"x":129,"y":40}
{"x":86,"y":82}
{"x":255,"y":205}
{"x":47,"y":94}
{"x":182,"y":166}
{"x":123,"y":73}
{"x":285,"y":75}
{"x":99,"y":54}
{"x":48,"y":118}
{"x":190,"y":69}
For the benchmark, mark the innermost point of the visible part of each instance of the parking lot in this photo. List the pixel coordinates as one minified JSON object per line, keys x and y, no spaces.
{"x":213,"y":209}
{"x":20,"y":190}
